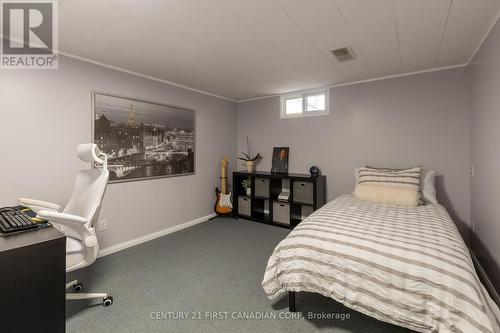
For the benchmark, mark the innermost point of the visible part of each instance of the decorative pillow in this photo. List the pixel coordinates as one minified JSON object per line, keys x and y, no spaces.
{"x":428,"y":188}
{"x":387,"y":194}
{"x":406,"y":178}
{"x":427,"y":184}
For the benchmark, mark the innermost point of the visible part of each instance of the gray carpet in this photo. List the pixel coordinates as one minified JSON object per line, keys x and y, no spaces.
{"x":215,"y":266}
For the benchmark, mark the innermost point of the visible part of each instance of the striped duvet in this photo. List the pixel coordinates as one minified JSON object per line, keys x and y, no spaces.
{"x":404,"y":265}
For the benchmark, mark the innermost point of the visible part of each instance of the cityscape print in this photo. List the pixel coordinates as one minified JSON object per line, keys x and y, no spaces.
{"x":143,"y":140}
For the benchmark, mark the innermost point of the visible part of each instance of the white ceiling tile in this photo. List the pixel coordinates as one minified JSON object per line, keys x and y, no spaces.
{"x":468,"y":23}
{"x":373,"y":26}
{"x":321,"y":20}
{"x":273,"y":23}
{"x":80,"y":21}
{"x":248,"y":48}
{"x":193,"y":49}
{"x":251,"y":11}
{"x":419,"y":41}
{"x":323,"y":24}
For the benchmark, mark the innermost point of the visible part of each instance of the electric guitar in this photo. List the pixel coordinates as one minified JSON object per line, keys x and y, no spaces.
{"x":223,"y":205}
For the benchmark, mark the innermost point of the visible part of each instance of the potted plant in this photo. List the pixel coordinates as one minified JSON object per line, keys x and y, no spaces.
{"x":248,"y":159}
{"x":247,"y":185}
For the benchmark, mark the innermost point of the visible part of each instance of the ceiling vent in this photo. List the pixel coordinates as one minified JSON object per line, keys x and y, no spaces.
{"x":343,"y":54}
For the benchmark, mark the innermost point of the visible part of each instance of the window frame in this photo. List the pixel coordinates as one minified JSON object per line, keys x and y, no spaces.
{"x":304,"y":94}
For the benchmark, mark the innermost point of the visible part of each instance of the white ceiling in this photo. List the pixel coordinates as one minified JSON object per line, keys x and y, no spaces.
{"x":241,"y":49}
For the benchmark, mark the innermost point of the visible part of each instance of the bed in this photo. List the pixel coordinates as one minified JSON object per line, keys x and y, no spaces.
{"x":403,"y":265}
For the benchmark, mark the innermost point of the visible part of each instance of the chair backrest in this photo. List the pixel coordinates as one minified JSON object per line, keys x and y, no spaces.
{"x":90,"y":186}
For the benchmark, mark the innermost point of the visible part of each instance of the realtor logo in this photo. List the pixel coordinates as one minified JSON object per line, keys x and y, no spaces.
{"x":29,"y":38}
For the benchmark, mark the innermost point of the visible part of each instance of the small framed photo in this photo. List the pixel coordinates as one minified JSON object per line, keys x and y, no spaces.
{"x":280,"y":160}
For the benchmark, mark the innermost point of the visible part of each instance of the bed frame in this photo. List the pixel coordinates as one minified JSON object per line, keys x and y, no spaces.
{"x":291,"y":301}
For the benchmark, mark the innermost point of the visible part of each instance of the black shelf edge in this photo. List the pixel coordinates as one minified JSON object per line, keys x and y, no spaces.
{"x":275,"y":175}
{"x":283,"y":224}
{"x":271,"y":223}
{"x":242,"y":195}
{"x":253,"y":197}
{"x":302,"y":203}
{"x":282,"y":201}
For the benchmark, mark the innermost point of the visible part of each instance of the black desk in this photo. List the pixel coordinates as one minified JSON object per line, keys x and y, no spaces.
{"x":32,"y":281}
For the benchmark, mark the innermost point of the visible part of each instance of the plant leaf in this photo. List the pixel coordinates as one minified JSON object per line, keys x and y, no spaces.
{"x":256,"y":157}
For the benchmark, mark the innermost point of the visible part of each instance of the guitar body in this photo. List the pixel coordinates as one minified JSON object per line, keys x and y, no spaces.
{"x":223,"y":205}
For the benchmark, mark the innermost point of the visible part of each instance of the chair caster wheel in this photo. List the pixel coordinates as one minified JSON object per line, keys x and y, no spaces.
{"x":107,"y":301}
{"x":77,"y":287}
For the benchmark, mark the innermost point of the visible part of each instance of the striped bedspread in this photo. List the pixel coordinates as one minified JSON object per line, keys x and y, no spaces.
{"x":404,"y":265}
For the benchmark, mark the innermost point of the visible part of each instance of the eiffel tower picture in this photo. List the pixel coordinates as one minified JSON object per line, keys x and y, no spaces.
{"x":131,"y":117}
{"x":142,"y":139}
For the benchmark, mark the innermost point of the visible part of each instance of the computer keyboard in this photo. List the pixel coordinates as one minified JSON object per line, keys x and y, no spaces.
{"x":12,"y":220}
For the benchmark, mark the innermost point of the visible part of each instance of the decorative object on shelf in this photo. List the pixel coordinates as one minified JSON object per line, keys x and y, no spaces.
{"x":247,"y":185}
{"x":143,"y":140}
{"x":280,"y":160}
{"x":249,"y":165}
{"x":223,"y":205}
{"x":284,"y":195}
{"x":314,"y":171}
{"x":247,"y":157}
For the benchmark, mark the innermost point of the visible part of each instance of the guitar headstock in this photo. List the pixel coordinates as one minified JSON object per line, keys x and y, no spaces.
{"x":224,"y":161}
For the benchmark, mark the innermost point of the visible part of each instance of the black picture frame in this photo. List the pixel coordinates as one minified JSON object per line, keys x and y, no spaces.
{"x":280,"y":159}
{"x":143,"y":139}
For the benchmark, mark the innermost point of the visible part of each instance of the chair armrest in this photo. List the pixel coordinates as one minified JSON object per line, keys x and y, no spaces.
{"x":38,"y":204}
{"x":62,"y":218}
{"x":74,"y":222}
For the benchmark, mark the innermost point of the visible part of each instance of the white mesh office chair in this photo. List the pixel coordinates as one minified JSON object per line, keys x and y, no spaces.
{"x":76,"y":221}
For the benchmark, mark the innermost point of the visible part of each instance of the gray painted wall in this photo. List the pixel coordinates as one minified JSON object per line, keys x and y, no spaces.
{"x":413,"y":120}
{"x":422,"y":119}
{"x":485,"y":97}
{"x":45,"y":114}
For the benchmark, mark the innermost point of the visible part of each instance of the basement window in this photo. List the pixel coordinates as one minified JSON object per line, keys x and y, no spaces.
{"x":304,"y":104}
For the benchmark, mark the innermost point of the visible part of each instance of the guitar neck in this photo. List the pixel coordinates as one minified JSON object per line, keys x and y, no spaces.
{"x":223,"y":179}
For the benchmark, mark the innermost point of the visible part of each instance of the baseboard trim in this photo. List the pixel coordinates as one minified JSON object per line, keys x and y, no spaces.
{"x":485,"y":279}
{"x":154,"y":235}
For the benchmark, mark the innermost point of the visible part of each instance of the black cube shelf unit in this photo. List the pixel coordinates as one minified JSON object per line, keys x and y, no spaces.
{"x":307,"y":194}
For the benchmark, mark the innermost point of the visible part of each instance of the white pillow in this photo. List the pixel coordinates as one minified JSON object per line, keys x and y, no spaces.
{"x":427,"y":187}
{"x":387,"y":194}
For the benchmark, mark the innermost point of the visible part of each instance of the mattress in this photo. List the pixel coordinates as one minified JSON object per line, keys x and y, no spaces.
{"x":403,"y":265}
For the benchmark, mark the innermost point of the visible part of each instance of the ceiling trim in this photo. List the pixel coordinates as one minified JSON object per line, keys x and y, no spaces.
{"x":490,"y":29}
{"x":120,"y":69}
{"x":364,"y":81}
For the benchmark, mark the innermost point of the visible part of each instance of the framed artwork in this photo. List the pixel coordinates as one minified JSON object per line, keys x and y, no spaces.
{"x":143,"y":140}
{"x":280,"y":160}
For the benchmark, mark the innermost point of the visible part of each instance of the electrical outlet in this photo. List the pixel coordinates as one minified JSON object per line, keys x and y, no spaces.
{"x":103,"y":225}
